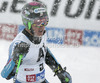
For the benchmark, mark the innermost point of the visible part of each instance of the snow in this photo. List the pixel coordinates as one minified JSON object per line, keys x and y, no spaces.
{"x":83,"y":63}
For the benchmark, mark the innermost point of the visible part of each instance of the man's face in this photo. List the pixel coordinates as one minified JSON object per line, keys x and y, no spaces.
{"x":39,"y":26}
{"x":38,"y":31}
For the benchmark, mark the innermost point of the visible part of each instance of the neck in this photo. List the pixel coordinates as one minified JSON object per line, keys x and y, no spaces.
{"x":35,"y":40}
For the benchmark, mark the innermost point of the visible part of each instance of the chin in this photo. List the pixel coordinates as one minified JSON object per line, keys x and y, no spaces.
{"x":40,"y":35}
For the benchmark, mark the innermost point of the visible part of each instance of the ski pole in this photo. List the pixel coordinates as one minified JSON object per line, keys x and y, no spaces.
{"x":19,"y":62}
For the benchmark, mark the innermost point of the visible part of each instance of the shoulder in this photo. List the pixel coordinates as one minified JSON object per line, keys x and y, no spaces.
{"x":18,"y":46}
{"x":20,"y":40}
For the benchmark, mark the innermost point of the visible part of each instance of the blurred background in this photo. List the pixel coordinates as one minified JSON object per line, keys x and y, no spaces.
{"x":73,"y":36}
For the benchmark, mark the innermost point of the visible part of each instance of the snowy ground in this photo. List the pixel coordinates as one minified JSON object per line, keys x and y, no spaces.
{"x":83,"y":63}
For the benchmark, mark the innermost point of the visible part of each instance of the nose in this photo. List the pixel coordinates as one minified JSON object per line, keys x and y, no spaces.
{"x":42,"y":23}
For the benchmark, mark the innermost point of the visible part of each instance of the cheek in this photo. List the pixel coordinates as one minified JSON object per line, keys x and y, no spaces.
{"x":35,"y":29}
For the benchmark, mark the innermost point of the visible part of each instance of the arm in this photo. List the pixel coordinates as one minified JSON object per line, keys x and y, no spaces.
{"x":9,"y":70}
{"x":57,"y":69}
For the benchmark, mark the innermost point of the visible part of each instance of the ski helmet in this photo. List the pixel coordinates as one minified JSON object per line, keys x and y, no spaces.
{"x":34,"y":13}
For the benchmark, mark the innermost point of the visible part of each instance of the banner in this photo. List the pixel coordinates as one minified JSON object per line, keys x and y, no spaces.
{"x":73,"y":37}
{"x":55,"y":35}
{"x":71,"y":22}
{"x":8,"y":31}
{"x":73,"y":14}
{"x":20,"y":28}
{"x":91,"y":38}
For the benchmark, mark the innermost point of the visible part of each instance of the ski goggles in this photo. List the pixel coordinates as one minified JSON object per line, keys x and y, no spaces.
{"x":40,"y":22}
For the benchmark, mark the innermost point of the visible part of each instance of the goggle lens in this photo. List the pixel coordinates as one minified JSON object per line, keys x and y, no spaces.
{"x":40,"y":22}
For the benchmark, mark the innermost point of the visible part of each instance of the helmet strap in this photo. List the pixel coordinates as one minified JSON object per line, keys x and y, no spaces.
{"x":32,"y":31}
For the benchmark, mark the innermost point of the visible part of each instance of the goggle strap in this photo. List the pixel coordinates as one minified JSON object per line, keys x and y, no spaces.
{"x":29,"y":25}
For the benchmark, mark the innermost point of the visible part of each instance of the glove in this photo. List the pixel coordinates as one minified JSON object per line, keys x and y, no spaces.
{"x":21,"y":48}
{"x":63,"y":76}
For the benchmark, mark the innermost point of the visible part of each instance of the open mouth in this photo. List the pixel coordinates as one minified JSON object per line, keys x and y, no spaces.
{"x":40,"y":31}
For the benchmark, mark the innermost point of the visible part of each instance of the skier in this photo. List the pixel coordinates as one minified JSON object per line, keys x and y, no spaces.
{"x":28,"y":52}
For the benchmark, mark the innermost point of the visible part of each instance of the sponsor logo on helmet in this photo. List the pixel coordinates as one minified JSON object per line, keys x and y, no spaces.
{"x":39,"y":10}
{"x":34,"y":3}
